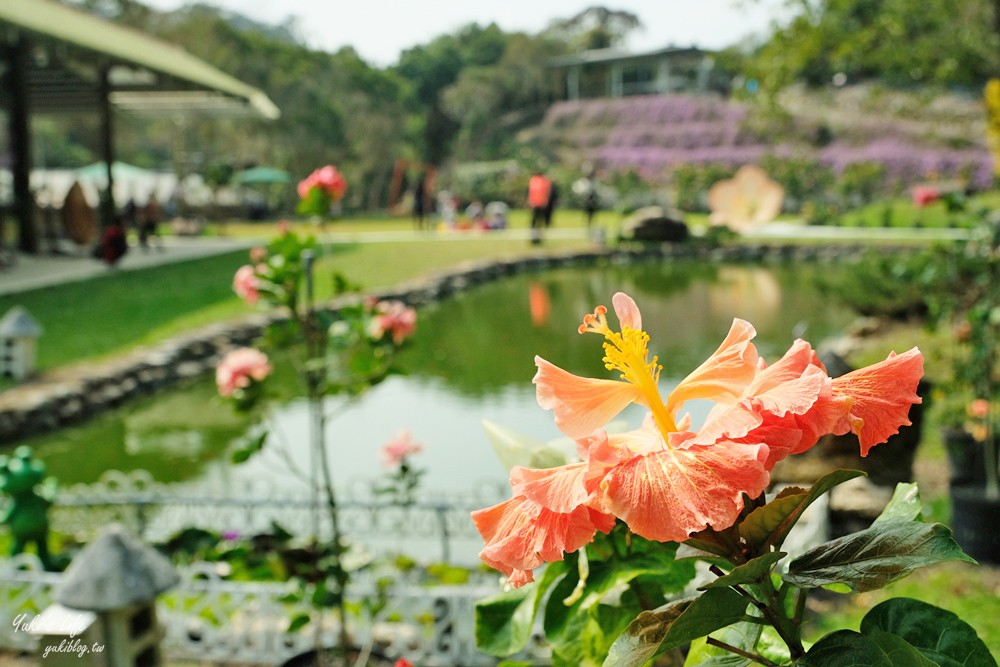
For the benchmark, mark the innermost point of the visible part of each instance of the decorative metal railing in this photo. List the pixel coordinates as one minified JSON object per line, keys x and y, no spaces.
{"x":432,"y":528}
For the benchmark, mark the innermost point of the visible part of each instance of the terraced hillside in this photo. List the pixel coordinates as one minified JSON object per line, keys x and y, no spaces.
{"x":914,"y":136}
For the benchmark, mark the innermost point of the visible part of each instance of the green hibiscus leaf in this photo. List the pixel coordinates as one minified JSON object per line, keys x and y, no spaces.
{"x":905,"y":505}
{"x":939,"y":635}
{"x":674,"y":624}
{"x":899,"y":651}
{"x":751,"y":572}
{"x":873,"y":558}
{"x":846,"y":648}
{"x":769,"y":525}
{"x":504,"y":621}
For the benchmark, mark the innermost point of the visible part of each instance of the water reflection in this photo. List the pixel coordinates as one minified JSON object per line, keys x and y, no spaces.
{"x":472,"y":359}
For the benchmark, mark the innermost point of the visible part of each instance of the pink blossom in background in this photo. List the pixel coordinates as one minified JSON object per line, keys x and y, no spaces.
{"x":403,"y":662}
{"x":924,"y":195}
{"x":258,"y":254}
{"x":239,"y":368}
{"x":245,"y":284}
{"x":396,"y":450}
{"x":394,"y":318}
{"x":328,"y":179}
{"x":978,"y":408}
{"x":332,"y":181}
{"x":284,"y":227}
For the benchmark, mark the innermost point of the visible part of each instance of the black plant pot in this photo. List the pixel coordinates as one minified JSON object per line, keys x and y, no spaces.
{"x":974,"y":522}
{"x":966,"y":460}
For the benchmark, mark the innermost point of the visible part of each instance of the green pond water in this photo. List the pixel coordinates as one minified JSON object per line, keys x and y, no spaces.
{"x":472,"y":359}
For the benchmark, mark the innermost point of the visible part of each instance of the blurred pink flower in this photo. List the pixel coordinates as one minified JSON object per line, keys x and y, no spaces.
{"x":396,"y":450}
{"x":239,"y":368}
{"x":284,"y":227}
{"x":394,"y":318}
{"x":245,"y":284}
{"x":978,"y":408}
{"x":328,"y":179}
{"x":924,"y":195}
{"x":258,"y":254}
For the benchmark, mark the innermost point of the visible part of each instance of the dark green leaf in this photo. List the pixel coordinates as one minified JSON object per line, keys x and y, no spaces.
{"x":938,"y":634}
{"x":675,"y":624}
{"x":298,"y":622}
{"x":904,"y":506}
{"x":845,"y":648}
{"x":899,"y":651}
{"x":873,"y":558}
{"x":250,"y":447}
{"x":504,"y":621}
{"x":706,"y":541}
{"x":749,"y":573}
{"x":769,"y":525}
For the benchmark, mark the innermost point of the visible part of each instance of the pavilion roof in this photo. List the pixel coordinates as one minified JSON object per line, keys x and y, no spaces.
{"x":71,"y":47}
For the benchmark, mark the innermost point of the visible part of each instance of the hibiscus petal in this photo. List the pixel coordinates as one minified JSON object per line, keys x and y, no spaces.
{"x":882,"y":395}
{"x":724,"y":376}
{"x":520,"y":535}
{"x":668,"y":495}
{"x":728,"y":422}
{"x":796,"y":395}
{"x":627,"y":311}
{"x":560,"y":489}
{"x":581,"y":405}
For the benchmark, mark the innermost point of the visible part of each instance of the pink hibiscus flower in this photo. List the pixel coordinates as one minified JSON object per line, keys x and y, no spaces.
{"x":394,"y":318}
{"x":246,"y":284}
{"x":239,"y":368}
{"x":396,"y":450}
{"x":665,"y":480}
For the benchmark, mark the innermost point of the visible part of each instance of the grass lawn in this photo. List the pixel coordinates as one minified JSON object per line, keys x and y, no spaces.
{"x":118,"y":311}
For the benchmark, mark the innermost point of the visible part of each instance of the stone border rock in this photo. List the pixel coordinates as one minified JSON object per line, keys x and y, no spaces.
{"x":71,"y":395}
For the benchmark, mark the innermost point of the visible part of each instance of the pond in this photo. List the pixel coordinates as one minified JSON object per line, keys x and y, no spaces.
{"x":472,"y":359}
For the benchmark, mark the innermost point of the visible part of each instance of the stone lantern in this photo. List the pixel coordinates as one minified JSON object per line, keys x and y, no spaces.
{"x":19,"y":334}
{"x":106,"y":606}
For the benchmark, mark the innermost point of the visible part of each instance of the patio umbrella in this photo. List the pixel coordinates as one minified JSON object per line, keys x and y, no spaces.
{"x":261,"y":175}
{"x":98,"y":171}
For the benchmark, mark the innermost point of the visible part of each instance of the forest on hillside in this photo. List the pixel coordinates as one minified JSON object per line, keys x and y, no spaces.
{"x":481,"y":94}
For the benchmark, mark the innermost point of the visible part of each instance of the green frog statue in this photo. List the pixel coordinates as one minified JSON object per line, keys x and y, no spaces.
{"x":25,"y":510}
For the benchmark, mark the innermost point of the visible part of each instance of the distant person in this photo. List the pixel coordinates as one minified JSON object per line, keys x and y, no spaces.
{"x":113,"y":244}
{"x":149,"y":222}
{"x":551,"y":204}
{"x":476,"y":214}
{"x":448,"y":208}
{"x":539,"y":193}
{"x":420,"y":202}
{"x":496,"y":215}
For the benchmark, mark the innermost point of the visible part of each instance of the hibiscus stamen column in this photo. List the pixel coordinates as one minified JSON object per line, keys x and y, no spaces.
{"x":628,"y":353}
